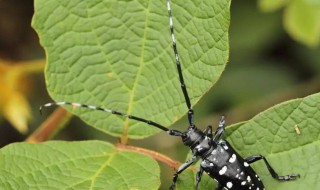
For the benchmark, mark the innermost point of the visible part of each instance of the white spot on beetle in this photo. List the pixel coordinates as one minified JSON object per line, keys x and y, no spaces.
{"x":211,"y":164}
{"x":245,"y":164}
{"x":232,"y":158}
{"x":223,"y":170}
{"x":241,"y":173}
{"x":249,"y":179}
{"x":199,"y":148}
{"x":243,"y":183}
{"x":258,"y":177}
{"x":225,"y":147}
{"x":229,"y":185}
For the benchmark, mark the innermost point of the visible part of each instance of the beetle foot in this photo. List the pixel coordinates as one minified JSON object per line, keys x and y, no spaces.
{"x":289,"y":177}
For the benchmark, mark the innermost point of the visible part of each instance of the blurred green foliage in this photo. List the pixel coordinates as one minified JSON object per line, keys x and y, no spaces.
{"x":300,"y":18}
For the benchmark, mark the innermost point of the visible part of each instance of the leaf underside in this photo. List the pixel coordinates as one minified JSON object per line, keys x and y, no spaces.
{"x":75,"y":165}
{"x":274,"y":133}
{"x":118,"y":55}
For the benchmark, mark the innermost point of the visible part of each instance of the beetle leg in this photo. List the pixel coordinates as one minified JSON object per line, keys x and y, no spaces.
{"x":255,"y":158}
{"x":220,"y":130}
{"x":208,"y":131}
{"x":181,"y":169}
{"x":198,"y":177}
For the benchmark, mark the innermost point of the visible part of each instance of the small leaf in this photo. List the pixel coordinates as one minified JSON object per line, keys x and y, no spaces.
{"x":271,"y":5}
{"x":118,"y":55}
{"x":301,"y":20}
{"x":75,"y":165}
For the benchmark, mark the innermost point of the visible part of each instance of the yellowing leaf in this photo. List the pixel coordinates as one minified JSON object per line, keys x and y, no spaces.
{"x":13,"y":103}
{"x":17,"y":111}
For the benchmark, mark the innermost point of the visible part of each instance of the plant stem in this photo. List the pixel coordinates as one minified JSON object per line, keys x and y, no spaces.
{"x":159,"y":157}
{"x":50,"y":126}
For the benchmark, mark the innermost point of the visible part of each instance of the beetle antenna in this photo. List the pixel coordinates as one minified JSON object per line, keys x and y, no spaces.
{"x":176,"y":55}
{"x":108,"y":111}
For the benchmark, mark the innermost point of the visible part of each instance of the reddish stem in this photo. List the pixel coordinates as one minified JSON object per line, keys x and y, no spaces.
{"x":49,"y":127}
{"x":160,"y":157}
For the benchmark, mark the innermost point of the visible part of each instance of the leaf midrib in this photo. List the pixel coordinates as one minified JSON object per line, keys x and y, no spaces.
{"x":124,"y":137}
{"x":107,"y":162}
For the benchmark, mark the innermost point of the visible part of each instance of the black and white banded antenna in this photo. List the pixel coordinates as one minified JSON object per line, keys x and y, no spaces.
{"x":176,"y":54}
{"x":149,"y":122}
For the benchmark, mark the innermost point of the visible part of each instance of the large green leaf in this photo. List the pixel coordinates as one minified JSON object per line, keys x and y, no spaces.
{"x":75,"y":165}
{"x":118,"y":55}
{"x":273,"y":134}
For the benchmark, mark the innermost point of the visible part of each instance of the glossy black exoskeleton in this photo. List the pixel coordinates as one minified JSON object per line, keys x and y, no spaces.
{"x":221,"y":162}
{"x":218,"y":159}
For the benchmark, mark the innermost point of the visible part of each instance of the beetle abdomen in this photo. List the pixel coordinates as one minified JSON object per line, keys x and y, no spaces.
{"x":226,"y":166}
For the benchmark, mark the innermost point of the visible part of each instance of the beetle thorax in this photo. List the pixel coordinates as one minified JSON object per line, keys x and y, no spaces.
{"x":197,"y":141}
{"x":192,"y":137}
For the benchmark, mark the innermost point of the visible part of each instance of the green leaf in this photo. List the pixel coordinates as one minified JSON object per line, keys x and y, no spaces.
{"x":75,"y":165}
{"x":272,"y":134}
{"x":301,"y":20}
{"x":187,"y":180}
{"x":271,"y":5}
{"x":118,"y":55}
